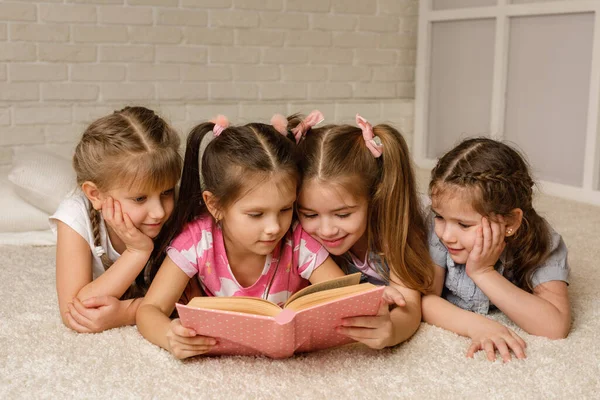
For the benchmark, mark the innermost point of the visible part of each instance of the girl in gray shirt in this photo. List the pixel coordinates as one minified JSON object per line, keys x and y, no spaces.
{"x":493,"y":250}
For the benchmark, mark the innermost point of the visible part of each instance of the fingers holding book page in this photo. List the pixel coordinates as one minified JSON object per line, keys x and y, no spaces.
{"x":184,"y":342}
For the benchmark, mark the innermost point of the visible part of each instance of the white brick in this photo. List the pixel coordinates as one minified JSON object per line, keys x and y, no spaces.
{"x":60,"y":13}
{"x":19,"y":91}
{"x":355,"y":7}
{"x":328,"y":22}
{"x":409,"y":25}
{"x":376,"y":57}
{"x":88,"y":114}
{"x":206,"y":3}
{"x":17,"y":52}
{"x":308,"y":5}
{"x":330,"y":91}
{"x":4,"y":116}
{"x":92,"y":1}
{"x":407,"y":57}
{"x":397,"y":41}
{"x":304,"y":108}
{"x":233,"y":19}
{"x":331,"y":56}
{"x":283,"y":21}
{"x":39,"y":32}
{"x":159,"y":3}
{"x":343,"y":73}
{"x":276,"y":91}
{"x":155,"y":34}
{"x":256,"y":73}
{"x":259,"y":37}
{"x":399,"y":7}
{"x":182,"y":91}
{"x":285,"y":56}
{"x":208,"y":36}
{"x":204,"y":73}
{"x":182,"y":17}
{"x":258,"y":4}
{"x":239,"y":55}
{"x":3,"y":73}
{"x":171,"y":113}
{"x":181,"y":54}
{"x":3,"y":31}
{"x":69,"y":91}
{"x":355,"y":40}
{"x":17,"y":135}
{"x":347,"y":112}
{"x":233,"y":91}
{"x":391,"y":74}
{"x":204,"y":112}
{"x":38,"y":72}
{"x":125,"y":15}
{"x":18,"y":12}
{"x":260,"y":112}
{"x":374,"y":90}
{"x":405,"y":90}
{"x":398,"y":109}
{"x":42,"y":115}
{"x":304,"y":73}
{"x":97,"y":72}
{"x":127,"y":91}
{"x":66,"y":52}
{"x":378,"y":24}
{"x":70,"y":133}
{"x":127,"y":53}
{"x":100,"y":34}
{"x":153,"y":72}
{"x":308,"y":39}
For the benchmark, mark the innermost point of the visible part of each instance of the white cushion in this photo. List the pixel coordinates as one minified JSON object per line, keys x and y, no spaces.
{"x":16,"y":215}
{"x":42,"y":179}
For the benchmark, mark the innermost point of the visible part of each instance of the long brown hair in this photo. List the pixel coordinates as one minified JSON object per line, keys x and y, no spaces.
{"x":396,"y":229}
{"x":499,"y":181}
{"x":130,"y":147}
{"x":231,"y":163}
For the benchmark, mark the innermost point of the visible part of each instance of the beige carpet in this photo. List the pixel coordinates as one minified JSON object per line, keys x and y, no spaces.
{"x":40,"y":358}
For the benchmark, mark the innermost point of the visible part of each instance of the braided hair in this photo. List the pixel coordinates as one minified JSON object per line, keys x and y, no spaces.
{"x":499,"y":181}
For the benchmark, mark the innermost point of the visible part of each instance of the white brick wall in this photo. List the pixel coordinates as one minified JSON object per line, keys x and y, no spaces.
{"x":64,"y":63}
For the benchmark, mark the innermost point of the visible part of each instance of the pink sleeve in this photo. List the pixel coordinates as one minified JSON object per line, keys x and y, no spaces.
{"x":183,"y":250}
{"x":309,"y":253}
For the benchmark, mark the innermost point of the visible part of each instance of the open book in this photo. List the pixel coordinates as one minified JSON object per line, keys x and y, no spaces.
{"x":307,"y":321}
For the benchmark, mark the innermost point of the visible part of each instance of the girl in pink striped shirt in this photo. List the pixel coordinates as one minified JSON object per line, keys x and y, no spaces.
{"x":232,"y":230}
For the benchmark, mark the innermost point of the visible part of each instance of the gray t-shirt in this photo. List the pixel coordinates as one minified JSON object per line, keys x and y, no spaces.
{"x":460,"y":290}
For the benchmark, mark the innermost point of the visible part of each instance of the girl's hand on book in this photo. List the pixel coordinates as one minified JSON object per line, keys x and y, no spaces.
{"x":95,"y":314}
{"x":489,"y":244}
{"x":374,"y":331}
{"x":489,"y":335}
{"x":120,"y":222}
{"x":184,"y":342}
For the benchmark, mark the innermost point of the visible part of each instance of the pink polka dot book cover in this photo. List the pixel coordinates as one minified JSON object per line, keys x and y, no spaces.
{"x":306,"y":322}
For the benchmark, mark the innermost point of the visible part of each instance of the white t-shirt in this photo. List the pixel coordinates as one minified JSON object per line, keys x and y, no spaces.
{"x":74,"y":212}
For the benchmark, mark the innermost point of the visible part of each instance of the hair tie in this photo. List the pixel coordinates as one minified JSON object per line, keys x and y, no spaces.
{"x":373,"y":142}
{"x":280,"y":123}
{"x":221,"y":123}
{"x":314,"y":118}
{"x":99,"y":251}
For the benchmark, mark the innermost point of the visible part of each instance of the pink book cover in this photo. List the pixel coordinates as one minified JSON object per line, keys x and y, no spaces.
{"x":281,"y":336}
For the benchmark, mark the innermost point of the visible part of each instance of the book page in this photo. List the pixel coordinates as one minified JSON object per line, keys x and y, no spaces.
{"x":328,"y":296}
{"x":347,"y":280}
{"x":243,"y":304}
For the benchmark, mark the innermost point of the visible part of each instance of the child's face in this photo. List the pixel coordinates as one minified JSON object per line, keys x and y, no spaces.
{"x":259,"y":220}
{"x":148,"y":209}
{"x":456,"y":224}
{"x":332,"y":215}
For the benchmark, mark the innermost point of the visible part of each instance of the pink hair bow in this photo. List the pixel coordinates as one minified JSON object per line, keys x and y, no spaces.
{"x":314,"y":118}
{"x":373,"y":142}
{"x":280,"y":123}
{"x":221,"y":123}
